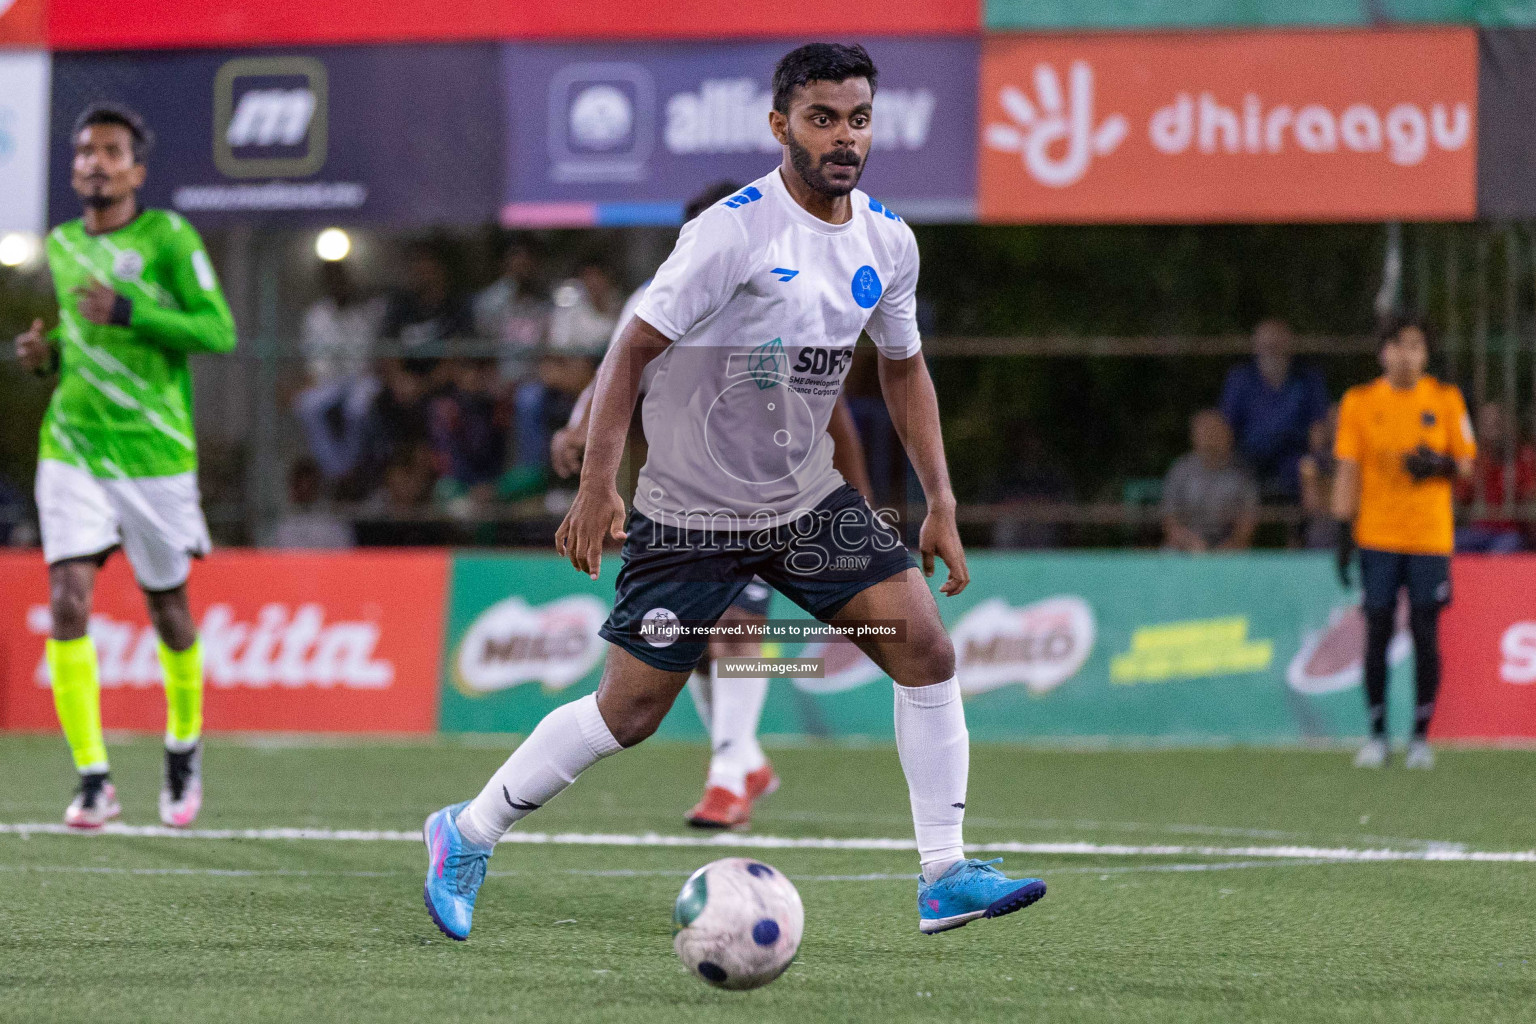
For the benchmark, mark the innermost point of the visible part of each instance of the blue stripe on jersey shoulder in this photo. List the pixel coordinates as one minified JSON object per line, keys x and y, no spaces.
{"x":875,"y":205}
{"x":747,"y":195}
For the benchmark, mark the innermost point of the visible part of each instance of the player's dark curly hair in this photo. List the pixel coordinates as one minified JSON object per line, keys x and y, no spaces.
{"x":820,"y":62}
{"x":1393,"y":324}
{"x":709,"y":197}
{"x":118,"y":114}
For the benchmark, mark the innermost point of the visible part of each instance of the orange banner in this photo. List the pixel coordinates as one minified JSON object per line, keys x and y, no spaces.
{"x":23,"y":22}
{"x":1224,"y":127}
{"x":301,"y":642}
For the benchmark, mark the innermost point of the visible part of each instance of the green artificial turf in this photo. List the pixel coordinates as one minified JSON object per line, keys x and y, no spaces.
{"x":119,"y":928}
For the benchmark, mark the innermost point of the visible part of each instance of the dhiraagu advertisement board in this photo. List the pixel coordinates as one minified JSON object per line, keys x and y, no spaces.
{"x":1125,"y":647}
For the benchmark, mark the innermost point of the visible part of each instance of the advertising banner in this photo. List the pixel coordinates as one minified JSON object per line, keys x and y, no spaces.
{"x":1488,"y":647}
{"x":609,"y":134}
{"x":1273,"y":126}
{"x":1254,"y":648}
{"x":23,"y":23}
{"x":1506,"y":137}
{"x":291,"y":642}
{"x":403,"y":134}
{"x":146,"y":24}
{"x":1123,"y":14}
{"x":23,"y":139}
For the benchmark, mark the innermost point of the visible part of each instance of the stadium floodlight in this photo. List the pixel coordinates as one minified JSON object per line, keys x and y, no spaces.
{"x":17,"y":248}
{"x":333,"y":245}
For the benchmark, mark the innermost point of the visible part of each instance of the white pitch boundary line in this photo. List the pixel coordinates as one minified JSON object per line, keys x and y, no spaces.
{"x":751,"y":842}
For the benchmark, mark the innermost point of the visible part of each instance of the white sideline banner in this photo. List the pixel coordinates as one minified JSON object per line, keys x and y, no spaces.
{"x":24,"y":90}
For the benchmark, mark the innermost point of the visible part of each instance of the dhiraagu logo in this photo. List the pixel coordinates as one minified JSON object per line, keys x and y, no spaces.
{"x":1195,"y":649}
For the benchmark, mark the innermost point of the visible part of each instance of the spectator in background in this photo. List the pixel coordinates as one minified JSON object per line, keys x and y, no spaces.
{"x":585,"y":314}
{"x":399,"y":513}
{"x":1271,"y":404}
{"x":1491,"y":531}
{"x":513,"y":311}
{"x":309,"y":522}
{"x":468,"y":425}
{"x":1209,"y":503}
{"x":426,"y":312}
{"x":1319,"y":531}
{"x":337,"y":339}
{"x":15,"y":524}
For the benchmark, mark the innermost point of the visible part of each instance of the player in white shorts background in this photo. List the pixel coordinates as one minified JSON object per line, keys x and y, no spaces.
{"x":739,"y":772}
{"x":743,"y":340}
{"x":117,"y":460}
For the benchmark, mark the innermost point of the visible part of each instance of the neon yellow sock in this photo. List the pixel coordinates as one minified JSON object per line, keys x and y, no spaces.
{"x":183,"y":695}
{"x":77,"y":699}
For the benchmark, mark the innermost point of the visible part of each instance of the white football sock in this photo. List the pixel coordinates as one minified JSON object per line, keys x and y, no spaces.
{"x":700,"y":690}
{"x":570,"y":739}
{"x":935,"y":751}
{"x":738,"y":705}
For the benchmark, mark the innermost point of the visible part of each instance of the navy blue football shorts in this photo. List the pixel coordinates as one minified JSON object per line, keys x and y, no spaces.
{"x":676,"y":576}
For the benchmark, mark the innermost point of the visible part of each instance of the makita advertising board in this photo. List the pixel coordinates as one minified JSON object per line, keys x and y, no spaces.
{"x":396,"y":134}
{"x":291,"y":642}
{"x":612,"y":134}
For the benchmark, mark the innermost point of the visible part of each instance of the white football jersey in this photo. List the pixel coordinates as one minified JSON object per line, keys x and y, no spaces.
{"x":763,"y":303}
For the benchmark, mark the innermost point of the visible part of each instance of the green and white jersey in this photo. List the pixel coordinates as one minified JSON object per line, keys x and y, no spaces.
{"x":123,"y":405}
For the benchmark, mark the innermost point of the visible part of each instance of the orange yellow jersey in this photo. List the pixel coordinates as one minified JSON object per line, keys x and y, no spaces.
{"x":1378,"y":426}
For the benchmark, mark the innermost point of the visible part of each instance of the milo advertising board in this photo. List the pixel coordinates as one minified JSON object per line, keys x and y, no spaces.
{"x":1245,"y":648}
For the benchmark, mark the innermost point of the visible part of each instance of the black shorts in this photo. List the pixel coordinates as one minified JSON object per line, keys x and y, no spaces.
{"x":672,"y":575}
{"x":754,"y":598}
{"x":1427,"y":579}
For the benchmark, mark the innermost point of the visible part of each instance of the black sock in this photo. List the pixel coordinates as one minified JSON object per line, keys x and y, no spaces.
{"x":1378,"y":634}
{"x":1425,"y":625}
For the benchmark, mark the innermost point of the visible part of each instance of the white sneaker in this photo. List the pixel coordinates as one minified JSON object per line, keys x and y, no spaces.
{"x":1419,"y":756}
{"x":181,"y":795}
{"x":94,"y":806}
{"x":1372,"y":755}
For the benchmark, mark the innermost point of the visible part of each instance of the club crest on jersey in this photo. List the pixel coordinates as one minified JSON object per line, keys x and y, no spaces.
{"x":127,"y":265}
{"x":866,"y":286}
{"x":766,"y":363}
{"x":1427,"y":418}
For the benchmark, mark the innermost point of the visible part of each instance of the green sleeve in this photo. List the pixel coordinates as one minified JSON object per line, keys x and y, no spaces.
{"x":203,"y":323}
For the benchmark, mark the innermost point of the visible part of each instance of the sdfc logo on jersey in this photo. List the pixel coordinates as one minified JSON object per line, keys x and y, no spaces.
{"x":270,"y":117}
{"x":866,"y":287}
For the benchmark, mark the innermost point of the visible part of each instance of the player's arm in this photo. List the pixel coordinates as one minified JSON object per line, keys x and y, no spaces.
{"x":598,"y":511}
{"x":202,"y":323}
{"x":37,"y":350}
{"x":848,"y":449}
{"x":570,"y":441}
{"x":1348,"y":449}
{"x":914,"y":409}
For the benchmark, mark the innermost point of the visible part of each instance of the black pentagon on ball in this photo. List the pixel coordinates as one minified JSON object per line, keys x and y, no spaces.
{"x":760,"y":870}
{"x":712,"y":971}
{"x":765,"y":932}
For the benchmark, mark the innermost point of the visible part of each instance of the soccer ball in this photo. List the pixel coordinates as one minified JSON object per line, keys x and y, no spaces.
{"x":737,"y":923}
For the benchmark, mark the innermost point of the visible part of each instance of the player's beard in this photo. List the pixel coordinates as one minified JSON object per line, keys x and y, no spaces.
{"x":809,"y":168}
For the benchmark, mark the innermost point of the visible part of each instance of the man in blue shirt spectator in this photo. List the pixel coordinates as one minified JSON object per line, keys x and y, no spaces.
{"x":1271,"y":404}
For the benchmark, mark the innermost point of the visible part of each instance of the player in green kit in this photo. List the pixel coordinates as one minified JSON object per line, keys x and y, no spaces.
{"x":117,"y":463}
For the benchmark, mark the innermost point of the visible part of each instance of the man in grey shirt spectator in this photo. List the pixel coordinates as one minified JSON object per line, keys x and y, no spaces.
{"x":1209,"y":503}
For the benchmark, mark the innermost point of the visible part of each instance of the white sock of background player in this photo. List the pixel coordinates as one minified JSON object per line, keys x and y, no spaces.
{"x":738,"y":705}
{"x":702,"y":693}
{"x":935,"y":751}
{"x":570,"y":739}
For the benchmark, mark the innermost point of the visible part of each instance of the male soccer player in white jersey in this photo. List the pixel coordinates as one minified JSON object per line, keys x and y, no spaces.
{"x":117,"y":461}
{"x":739,"y":772}
{"x":752,"y":322}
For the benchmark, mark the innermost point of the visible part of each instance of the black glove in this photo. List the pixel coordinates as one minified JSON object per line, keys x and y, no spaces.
{"x":1345,"y":551}
{"x":1424,"y":464}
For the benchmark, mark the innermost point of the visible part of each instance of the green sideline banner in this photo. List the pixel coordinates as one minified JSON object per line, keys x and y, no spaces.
{"x":1247,"y":648}
{"x":1139,"y":14}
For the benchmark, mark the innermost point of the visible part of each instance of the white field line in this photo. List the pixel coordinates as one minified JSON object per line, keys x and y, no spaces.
{"x":1448,"y":854}
{"x":1104,"y":871}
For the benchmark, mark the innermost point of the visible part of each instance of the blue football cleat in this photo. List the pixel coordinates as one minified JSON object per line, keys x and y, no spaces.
{"x":972,"y":889}
{"x":455,"y":871}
